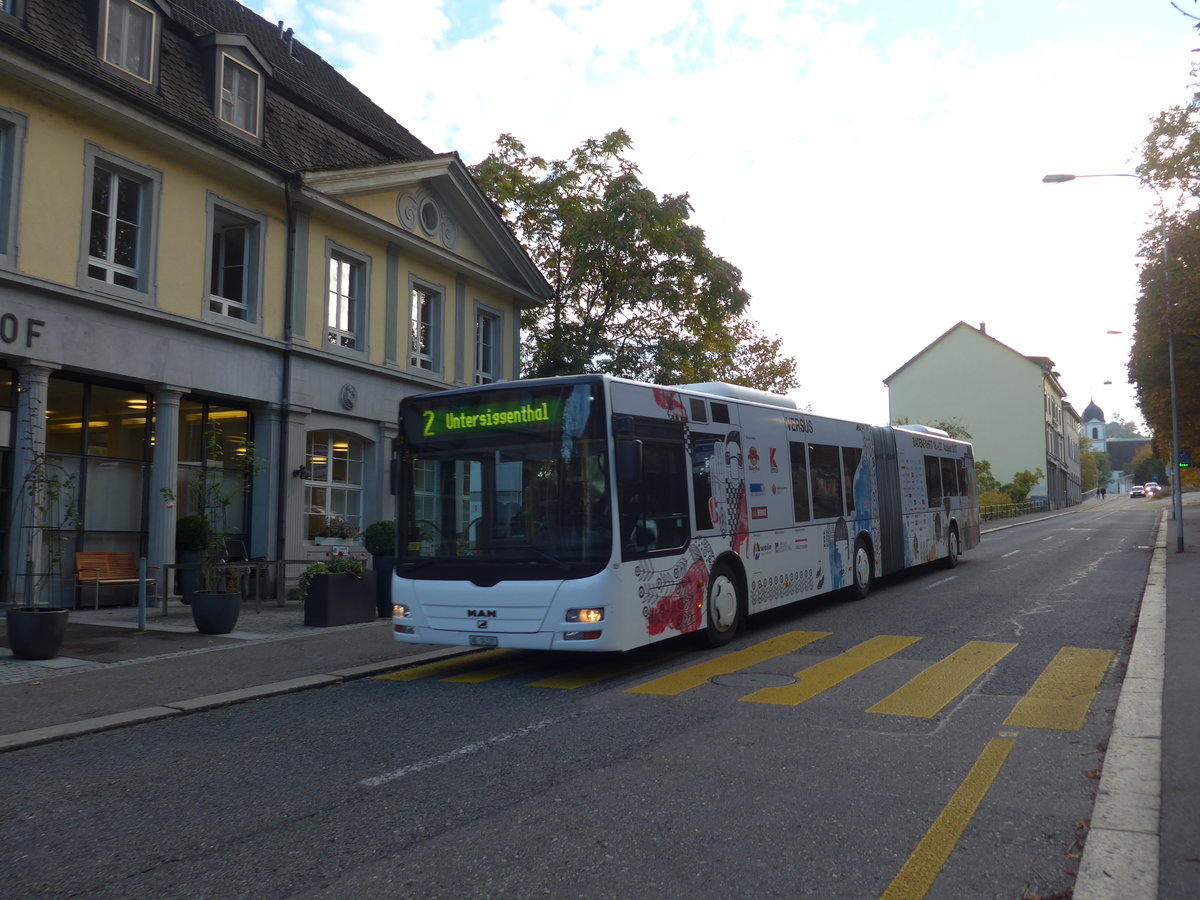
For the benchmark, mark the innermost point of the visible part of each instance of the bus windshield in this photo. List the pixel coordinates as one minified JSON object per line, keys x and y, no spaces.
{"x":512,"y":481}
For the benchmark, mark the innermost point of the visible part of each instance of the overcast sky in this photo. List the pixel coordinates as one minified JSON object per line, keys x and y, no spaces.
{"x":873,"y":167}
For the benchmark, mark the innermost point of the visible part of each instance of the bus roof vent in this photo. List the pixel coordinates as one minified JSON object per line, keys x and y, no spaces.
{"x":739,"y":392}
{"x":925,"y":429}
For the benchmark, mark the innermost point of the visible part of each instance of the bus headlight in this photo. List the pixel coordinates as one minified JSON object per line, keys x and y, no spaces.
{"x":590,"y":615}
{"x":399,"y":611}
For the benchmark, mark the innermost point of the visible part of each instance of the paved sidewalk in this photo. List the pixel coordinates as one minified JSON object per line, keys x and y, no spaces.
{"x":109,"y":674}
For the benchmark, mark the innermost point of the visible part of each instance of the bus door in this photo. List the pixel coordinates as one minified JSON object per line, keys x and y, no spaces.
{"x":652,"y":487}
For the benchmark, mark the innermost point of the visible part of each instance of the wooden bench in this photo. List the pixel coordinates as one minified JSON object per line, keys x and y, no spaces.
{"x":114,"y":571}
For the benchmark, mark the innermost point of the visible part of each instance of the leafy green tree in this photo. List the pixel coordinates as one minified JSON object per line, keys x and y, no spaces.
{"x":984,"y":477}
{"x":1118,"y":427}
{"x":1088,"y":467}
{"x":1022,"y":484}
{"x":637,"y":292}
{"x":1169,"y":300}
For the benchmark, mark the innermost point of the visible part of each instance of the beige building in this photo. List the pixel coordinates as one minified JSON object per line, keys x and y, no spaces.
{"x":206,"y":230}
{"x":1012,"y":405}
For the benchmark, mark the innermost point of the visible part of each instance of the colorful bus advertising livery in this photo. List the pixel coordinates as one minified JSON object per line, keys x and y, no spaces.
{"x":597,"y":513}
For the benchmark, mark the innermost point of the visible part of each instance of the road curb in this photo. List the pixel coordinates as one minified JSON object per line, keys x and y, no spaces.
{"x":33,"y":737}
{"x":1120,"y":858}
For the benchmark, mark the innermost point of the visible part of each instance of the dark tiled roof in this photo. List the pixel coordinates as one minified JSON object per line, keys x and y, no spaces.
{"x":313,"y":116}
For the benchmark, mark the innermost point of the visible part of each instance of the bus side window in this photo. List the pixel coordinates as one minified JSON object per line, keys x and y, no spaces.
{"x":704,"y":447}
{"x":950,"y":484}
{"x":799,"y":482}
{"x":933,"y":481}
{"x":824,"y":466}
{"x":963,"y":486}
{"x":850,"y":460}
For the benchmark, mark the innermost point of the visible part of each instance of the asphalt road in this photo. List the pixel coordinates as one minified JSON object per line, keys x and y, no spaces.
{"x":941,"y":740}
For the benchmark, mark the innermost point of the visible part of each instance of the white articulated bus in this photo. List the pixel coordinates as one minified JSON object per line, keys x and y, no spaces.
{"x":597,"y":513}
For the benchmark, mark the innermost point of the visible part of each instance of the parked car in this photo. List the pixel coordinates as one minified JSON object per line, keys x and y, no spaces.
{"x":1137,"y":490}
{"x":1152,"y":488}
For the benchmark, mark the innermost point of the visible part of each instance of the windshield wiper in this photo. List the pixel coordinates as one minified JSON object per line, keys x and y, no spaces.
{"x":544,"y":555}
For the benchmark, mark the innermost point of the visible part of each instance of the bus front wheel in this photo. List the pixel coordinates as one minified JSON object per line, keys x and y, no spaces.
{"x":724,"y":606}
{"x":864,"y":568}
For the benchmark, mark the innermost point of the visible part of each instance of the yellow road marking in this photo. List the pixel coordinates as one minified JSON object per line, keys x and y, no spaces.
{"x":491,"y":673}
{"x":926,"y":695}
{"x":568,"y":681}
{"x":922,"y":867}
{"x":446,"y":665}
{"x":825,"y":675}
{"x":1063,"y":693}
{"x":694,"y":676}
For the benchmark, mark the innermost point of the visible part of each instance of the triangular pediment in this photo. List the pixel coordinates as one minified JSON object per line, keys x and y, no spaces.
{"x":437,"y":203}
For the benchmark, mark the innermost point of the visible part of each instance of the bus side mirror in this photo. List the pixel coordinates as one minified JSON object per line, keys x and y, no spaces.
{"x":629,"y":461}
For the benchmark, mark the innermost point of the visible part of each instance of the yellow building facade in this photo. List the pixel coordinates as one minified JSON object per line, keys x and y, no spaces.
{"x":212,"y":247}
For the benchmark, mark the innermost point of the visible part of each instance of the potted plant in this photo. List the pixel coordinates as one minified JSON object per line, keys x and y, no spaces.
{"x":379,"y":540}
{"x":336,"y":530}
{"x":191,"y":539}
{"x":337,"y":591}
{"x":45,"y":509}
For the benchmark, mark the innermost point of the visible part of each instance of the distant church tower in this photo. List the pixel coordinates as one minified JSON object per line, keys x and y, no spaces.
{"x":1093,"y":427}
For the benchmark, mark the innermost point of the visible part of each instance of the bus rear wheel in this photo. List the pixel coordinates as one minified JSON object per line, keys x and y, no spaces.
{"x":724,"y":615}
{"x":950,"y":560}
{"x":864,"y":569}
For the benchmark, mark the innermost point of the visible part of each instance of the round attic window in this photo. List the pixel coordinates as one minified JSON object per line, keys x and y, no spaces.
{"x":431,"y":217}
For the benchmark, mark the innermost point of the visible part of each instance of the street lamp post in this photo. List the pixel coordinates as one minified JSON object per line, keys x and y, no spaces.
{"x":1176,"y":486}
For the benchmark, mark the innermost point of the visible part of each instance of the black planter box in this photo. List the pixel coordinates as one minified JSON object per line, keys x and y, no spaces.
{"x":340,"y":599}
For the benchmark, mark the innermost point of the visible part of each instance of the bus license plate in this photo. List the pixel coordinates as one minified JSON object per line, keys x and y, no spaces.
{"x":484,"y":640}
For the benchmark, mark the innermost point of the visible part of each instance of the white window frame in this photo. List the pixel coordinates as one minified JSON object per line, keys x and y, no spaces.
{"x":343,"y":497}
{"x":426,"y":311}
{"x":118,"y":15}
{"x":347,"y":281}
{"x":487,"y":343}
{"x":238,"y":111}
{"x":223,"y":217}
{"x":13,"y":127}
{"x":102,"y":274}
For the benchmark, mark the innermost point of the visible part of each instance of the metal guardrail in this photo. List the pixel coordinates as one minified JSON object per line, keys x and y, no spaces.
{"x":1009,"y":510}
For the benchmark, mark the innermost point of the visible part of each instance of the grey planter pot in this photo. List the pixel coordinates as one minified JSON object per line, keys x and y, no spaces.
{"x":215,"y":613}
{"x":340,"y":599}
{"x":36,"y":633}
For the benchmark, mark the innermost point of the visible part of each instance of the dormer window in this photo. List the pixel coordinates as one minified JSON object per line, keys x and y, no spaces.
{"x":240,"y":86}
{"x":129,"y":37}
{"x":238,"y":75}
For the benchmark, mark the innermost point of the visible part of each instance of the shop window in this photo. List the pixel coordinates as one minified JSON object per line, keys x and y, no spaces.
{"x":101,"y":435}
{"x":333,"y":490}
{"x":216,"y":460}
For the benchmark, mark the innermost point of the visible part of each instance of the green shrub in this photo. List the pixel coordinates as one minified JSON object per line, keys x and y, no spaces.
{"x":379,"y":539}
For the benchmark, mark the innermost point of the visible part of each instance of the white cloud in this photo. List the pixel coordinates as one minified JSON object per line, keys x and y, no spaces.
{"x":876,"y":178}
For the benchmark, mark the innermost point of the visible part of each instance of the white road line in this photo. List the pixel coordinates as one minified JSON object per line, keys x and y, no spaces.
{"x":1009,"y":553}
{"x":466,"y":750}
{"x":943,"y":581}
{"x":1052,"y":537}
